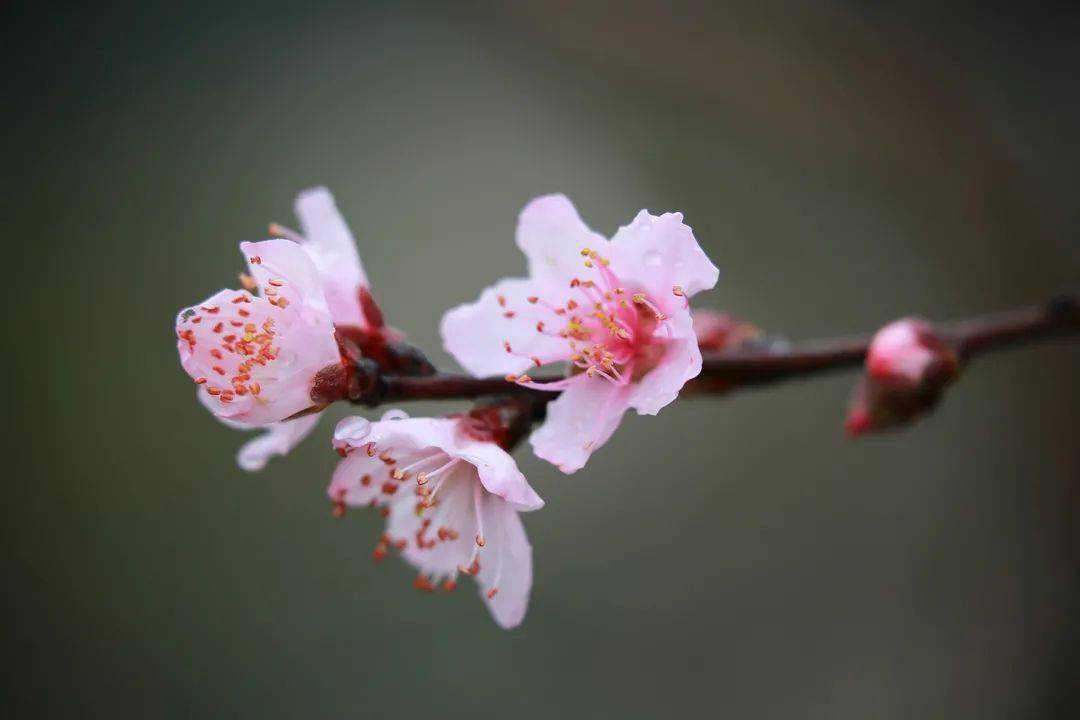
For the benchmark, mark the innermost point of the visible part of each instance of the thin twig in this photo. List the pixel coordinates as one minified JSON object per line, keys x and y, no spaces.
{"x":735,"y":369}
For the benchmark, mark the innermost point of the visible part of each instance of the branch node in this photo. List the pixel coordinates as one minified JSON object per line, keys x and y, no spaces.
{"x":366,"y":383}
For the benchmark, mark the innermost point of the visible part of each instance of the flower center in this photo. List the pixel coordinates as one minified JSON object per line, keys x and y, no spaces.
{"x":441,"y":506}
{"x":234,"y":345}
{"x":611,"y":334}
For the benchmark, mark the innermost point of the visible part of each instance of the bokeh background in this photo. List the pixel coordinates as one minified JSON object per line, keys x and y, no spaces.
{"x":843,"y":164}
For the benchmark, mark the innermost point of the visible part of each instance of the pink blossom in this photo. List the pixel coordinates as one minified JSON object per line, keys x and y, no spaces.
{"x":907,"y":366}
{"x":329,"y":247}
{"x":451,"y":497}
{"x":617,"y":311}
{"x":256,"y":357}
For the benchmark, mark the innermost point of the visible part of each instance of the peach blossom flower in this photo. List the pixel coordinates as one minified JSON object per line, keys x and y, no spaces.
{"x":616,"y":311}
{"x":256,"y":357}
{"x":451,"y":497}
{"x":325,"y":254}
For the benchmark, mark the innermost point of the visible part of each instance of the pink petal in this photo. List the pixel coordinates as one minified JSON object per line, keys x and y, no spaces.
{"x":279,"y":439}
{"x":499,"y":474}
{"x":681,"y":362}
{"x":657,"y":254}
{"x":506,"y":563}
{"x":303,"y":343}
{"x":552,"y":234}
{"x":898,"y":352}
{"x":409,"y":434}
{"x":476,"y":333}
{"x":580,"y":421}
{"x":455,"y":510}
{"x":330,"y":245}
{"x":285,"y":262}
{"x":348,"y":484}
{"x":397,"y":433}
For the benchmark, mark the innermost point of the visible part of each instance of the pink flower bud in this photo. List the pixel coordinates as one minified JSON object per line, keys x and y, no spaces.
{"x":909,"y":351}
{"x":907,"y":366}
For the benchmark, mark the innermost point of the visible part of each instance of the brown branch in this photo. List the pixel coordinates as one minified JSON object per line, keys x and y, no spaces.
{"x":747,"y":367}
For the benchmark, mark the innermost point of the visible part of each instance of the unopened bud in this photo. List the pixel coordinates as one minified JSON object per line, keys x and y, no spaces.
{"x":907,"y":367}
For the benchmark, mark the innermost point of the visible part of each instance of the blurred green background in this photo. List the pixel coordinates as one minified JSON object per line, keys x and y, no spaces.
{"x":842,"y":165}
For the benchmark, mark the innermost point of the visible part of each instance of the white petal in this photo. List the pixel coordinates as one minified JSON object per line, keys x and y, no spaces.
{"x":330,"y":245}
{"x":348,"y":483}
{"x":279,"y":439}
{"x":285,"y":261}
{"x":499,"y":474}
{"x":404,"y":435}
{"x":475,"y":333}
{"x":552,"y":235}
{"x":656,"y":254}
{"x":580,"y":421}
{"x":681,"y":362}
{"x":454,"y":509}
{"x":505,"y":563}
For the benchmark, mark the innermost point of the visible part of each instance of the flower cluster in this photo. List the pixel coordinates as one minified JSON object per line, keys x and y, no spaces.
{"x":613,"y":314}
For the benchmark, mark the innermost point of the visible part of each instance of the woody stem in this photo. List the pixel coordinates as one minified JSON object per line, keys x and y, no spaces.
{"x":731,"y":370}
